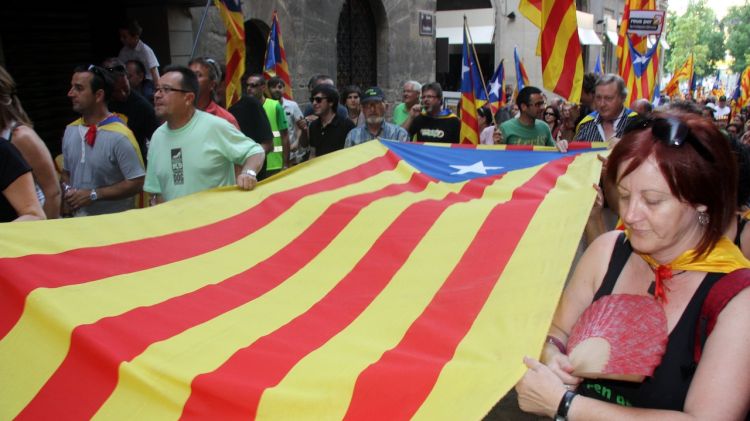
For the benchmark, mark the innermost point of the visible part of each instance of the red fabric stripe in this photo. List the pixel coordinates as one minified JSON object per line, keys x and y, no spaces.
{"x":519,"y":147}
{"x":565,"y":83}
{"x":551,"y":27}
{"x":89,"y":372}
{"x":268,"y":360}
{"x":431,"y":341}
{"x":19,"y":276}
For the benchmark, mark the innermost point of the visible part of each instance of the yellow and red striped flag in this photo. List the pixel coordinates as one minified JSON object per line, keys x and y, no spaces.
{"x":389,"y":280}
{"x":744,"y":85}
{"x":532,"y":10}
{"x":685,"y":72}
{"x":470,"y":84}
{"x":234,"y":21}
{"x":640,"y":83}
{"x":562,"y":63}
{"x":275,"y":62}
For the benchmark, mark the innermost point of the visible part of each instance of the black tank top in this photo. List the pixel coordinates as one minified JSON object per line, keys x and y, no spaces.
{"x":741,"y":222}
{"x":669,"y":385}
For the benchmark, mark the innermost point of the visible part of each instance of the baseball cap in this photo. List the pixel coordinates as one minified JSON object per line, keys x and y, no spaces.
{"x":372,"y":94}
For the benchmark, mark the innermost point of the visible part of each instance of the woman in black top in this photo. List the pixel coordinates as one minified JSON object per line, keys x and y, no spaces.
{"x":18,"y":201}
{"x":676,"y":179}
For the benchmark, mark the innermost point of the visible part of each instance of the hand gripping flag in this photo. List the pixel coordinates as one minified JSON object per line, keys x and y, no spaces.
{"x":522,"y":79}
{"x":275,"y":63}
{"x":562,"y":63}
{"x":234,"y":21}
{"x":685,"y":72}
{"x":389,"y":280}
{"x":497,"y":96}
{"x":469,"y":81}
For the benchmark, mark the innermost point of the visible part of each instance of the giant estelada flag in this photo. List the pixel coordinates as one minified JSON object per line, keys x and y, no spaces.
{"x":386,"y":281}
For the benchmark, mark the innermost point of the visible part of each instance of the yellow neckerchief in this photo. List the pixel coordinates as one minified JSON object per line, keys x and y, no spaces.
{"x":725,"y":257}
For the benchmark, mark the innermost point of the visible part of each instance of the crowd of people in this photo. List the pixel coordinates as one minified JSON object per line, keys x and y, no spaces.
{"x":677,"y":179}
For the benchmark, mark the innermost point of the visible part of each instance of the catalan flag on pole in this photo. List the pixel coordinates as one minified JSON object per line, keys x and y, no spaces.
{"x":685,"y":72}
{"x":469,"y":81}
{"x":641,"y":70}
{"x":496,"y":89}
{"x":275,"y":63}
{"x":640,"y":84}
{"x":234,"y":21}
{"x":522,"y":78}
{"x":743,"y":90}
{"x":562,"y":63}
{"x":389,"y":281}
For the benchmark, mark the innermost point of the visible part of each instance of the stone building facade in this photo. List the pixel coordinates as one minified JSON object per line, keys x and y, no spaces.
{"x":316,"y":40}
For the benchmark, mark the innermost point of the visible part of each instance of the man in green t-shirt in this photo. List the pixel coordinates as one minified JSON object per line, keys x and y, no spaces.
{"x":528,"y":128}
{"x":279,"y":158}
{"x":193,"y":150}
{"x":411,"y":92}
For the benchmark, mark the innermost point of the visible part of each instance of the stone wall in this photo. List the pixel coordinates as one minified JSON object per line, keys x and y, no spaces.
{"x":309,"y":34}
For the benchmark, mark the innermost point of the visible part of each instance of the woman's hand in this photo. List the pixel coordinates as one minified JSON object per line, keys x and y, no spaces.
{"x":560,"y":366}
{"x":539,"y":390}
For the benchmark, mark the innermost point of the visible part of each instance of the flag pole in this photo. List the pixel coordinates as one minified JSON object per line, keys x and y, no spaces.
{"x":200,"y":29}
{"x":476,"y":60}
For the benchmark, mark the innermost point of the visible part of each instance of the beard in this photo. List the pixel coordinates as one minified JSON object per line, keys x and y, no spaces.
{"x":374,"y":119}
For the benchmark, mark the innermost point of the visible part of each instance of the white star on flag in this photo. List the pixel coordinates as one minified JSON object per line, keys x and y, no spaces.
{"x":477,"y":167}
{"x":495,"y":88}
{"x":641,"y":59}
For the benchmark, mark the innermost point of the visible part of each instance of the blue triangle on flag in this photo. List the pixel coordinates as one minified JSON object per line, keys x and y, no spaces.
{"x":455,"y":165}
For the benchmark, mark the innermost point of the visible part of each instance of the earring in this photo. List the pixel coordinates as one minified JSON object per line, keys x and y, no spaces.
{"x":703,"y":218}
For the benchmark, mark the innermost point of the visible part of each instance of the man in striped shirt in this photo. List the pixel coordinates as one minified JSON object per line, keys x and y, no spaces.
{"x":611,"y":117}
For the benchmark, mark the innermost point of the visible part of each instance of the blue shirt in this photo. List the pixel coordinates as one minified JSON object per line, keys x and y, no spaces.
{"x":387,"y":131}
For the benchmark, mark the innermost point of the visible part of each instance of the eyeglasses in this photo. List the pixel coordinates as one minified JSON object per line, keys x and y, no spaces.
{"x":116,"y":69}
{"x":167,"y":89}
{"x":317,"y":99}
{"x":673,"y":132}
{"x":552,"y":114}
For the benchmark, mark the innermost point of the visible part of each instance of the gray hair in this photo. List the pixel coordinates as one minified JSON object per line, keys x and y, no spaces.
{"x":613,"y":78}
{"x":414,"y":85}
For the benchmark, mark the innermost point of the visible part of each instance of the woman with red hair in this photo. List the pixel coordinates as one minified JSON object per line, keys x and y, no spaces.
{"x":676,"y":179}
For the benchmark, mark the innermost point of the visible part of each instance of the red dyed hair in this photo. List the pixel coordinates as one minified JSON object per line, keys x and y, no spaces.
{"x":691,"y":177}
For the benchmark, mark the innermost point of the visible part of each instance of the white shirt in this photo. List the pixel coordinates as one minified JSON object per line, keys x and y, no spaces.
{"x":142,"y":53}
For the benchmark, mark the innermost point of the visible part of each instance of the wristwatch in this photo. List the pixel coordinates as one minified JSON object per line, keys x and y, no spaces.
{"x":251,"y":173}
{"x":93,"y":196}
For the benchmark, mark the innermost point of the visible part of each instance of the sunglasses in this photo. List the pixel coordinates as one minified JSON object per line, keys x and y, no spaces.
{"x":552,"y":114}
{"x":317,"y":99}
{"x":116,"y":69}
{"x":673,"y":132}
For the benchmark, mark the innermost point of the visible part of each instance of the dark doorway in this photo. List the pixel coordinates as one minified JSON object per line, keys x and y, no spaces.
{"x":356,"y":45}
{"x":256,"y":39}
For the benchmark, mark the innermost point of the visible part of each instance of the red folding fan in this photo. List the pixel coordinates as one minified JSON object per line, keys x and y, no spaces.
{"x":619,"y":337}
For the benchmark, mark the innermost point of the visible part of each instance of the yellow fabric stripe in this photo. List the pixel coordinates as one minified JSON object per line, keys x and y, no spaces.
{"x":87,"y":303}
{"x":556,"y":62}
{"x":55,"y":236}
{"x":335,"y":366}
{"x":210,"y":344}
{"x":487,"y":359}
